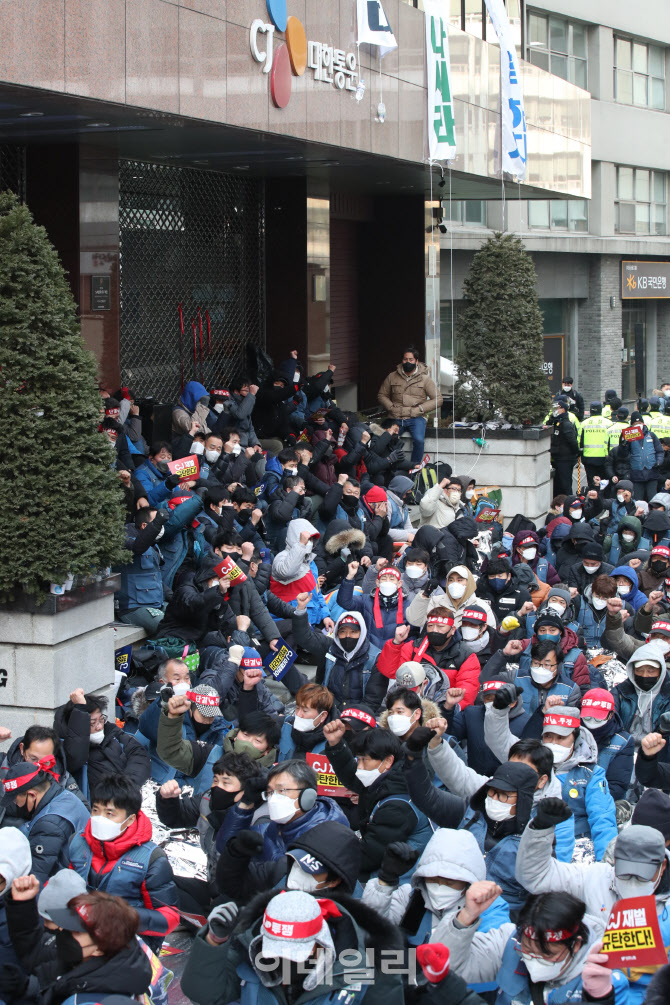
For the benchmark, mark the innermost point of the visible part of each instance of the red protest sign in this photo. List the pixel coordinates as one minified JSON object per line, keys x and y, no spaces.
{"x":229,"y":569}
{"x":328,"y":784}
{"x":185,"y":468}
{"x":632,"y":433}
{"x":633,"y":935}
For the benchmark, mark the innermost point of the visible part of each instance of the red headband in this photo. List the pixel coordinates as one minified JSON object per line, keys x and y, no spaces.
{"x":220,"y":394}
{"x":560,"y":935}
{"x":251,"y":661}
{"x":472,"y":616}
{"x":44,"y":764}
{"x":661,"y":626}
{"x":493,"y":685}
{"x":437,"y":620}
{"x":177,"y":501}
{"x":528,"y":540}
{"x":389,"y":570}
{"x":349,"y":619}
{"x":207,"y":700}
{"x":356,"y":713}
{"x":301,"y":930}
{"x":562,"y":720}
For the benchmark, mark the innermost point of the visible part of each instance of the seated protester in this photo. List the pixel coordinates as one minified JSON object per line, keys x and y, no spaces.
{"x":652,"y":576}
{"x":439,"y":649}
{"x":640,"y":869}
{"x":442,"y":504}
{"x":213,"y":445}
{"x":180,"y":545}
{"x":501,"y":591}
{"x":649,"y":770}
{"x":382,"y":611}
{"x":302,"y":732}
{"x":619,"y":506}
{"x":154,"y":476}
{"x":289,"y":503}
{"x":339,"y":545}
{"x":377,"y":526}
{"x":199,"y":610}
{"x":467,"y":724}
{"x":450,"y":863}
{"x":140,"y":598}
{"x":222,"y":968}
{"x":114,"y":853}
{"x":242,"y":401}
{"x":616,"y":747}
{"x":627,"y":588}
{"x":556,"y":536}
{"x":294,"y":572}
{"x":343,"y":662}
{"x":15,"y":860}
{"x":405,"y":712}
{"x":323,"y":860}
{"x":193,"y":408}
{"x":309,"y":462}
{"x":95,"y":950}
{"x":544,"y":677}
{"x":570,"y":551}
{"x":243,"y":598}
{"x":284,"y":465}
{"x":172,"y":677}
{"x":343,"y":502}
{"x":549,"y":627}
{"x":576,"y":765}
{"x":292,"y":805}
{"x":642,"y":699}
{"x":370,"y":764}
{"x":257,"y":735}
{"x":38,"y":742}
{"x":416,"y":572}
{"x":237,"y":677}
{"x":399,"y":490}
{"x":625,"y":540}
{"x":49,"y":815}
{"x":216,"y":515}
{"x":459,"y":593}
{"x":95,"y":747}
{"x":205,"y":809}
{"x":592,"y":614}
{"x":581,"y":574}
{"x":475,"y":633}
{"x":455,"y":546}
{"x":526,"y":549}
{"x":543,"y":954}
{"x":248,"y":516}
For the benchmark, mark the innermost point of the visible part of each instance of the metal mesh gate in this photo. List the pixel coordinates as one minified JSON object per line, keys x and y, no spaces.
{"x":13,"y":170}
{"x":195,"y":238}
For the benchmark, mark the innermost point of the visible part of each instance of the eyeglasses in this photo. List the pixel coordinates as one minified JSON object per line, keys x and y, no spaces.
{"x":501,"y":796}
{"x":545,"y":665}
{"x":98,"y":721}
{"x":280,"y":792}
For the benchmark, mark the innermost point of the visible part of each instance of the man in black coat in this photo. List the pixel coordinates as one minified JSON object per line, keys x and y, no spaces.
{"x":564,"y":447}
{"x":199,"y":610}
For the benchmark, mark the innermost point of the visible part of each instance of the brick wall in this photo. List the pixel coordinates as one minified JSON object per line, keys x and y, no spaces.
{"x":599,"y":341}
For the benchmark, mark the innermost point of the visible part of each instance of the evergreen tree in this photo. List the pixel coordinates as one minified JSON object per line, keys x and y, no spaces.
{"x":501,"y":332}
{"x":62,"y":509}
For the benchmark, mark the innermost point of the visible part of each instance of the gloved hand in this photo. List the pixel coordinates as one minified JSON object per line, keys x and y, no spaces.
{"x":550,"y":812}
{"x":506,"y":695}
{"x":235,"y":654}
{"x":253,"y":791}
{"x":396,"y":455}
{"x":172,"y":481}
{"x":510,"y":623}
{"x":419,"y":739}
{"x":13,"y":982}
{"x":431,"y":585}
{"x":245,"y":844}
{"x":433,"y":958}
{"x":596,"y":975}
{"x":398,"y":858}
{"x":222,"y":920}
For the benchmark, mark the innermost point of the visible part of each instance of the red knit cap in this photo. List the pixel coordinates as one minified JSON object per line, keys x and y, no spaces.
{"x":376,"y":495}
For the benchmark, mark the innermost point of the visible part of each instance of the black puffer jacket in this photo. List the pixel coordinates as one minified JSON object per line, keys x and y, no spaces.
{"x":454,"y":547}
{"x":571,"y":552}
{"x":658,"y":992}
{"x":329,"y":559}
{"x":197,"y":609}
{"x":119,"y":752}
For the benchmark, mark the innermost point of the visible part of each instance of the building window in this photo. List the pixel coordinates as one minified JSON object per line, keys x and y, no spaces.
{"x":471,"y":16}
{"x":641,"y":206}
{"x":559,"y":214}
{"x":470,"y":212}
{"x":639,"y":73}
{"x":558,"y":46}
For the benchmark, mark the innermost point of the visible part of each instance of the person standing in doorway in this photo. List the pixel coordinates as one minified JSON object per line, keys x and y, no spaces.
{"x":409,"y":394}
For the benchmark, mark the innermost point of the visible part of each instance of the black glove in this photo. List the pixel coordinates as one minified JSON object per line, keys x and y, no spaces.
{"x":398,"y":858}
{"x":550,"y":812}
{"x":419,"y":739}
{"x":254,"y":789}
{"x":13,"y":981}
{"x":172,"y":481}
{"x":506,"y":695}
{"x":396,"y":455}
{"x":162,"y":517}
{"x":431,"y":585}
{"x":245,"y":844}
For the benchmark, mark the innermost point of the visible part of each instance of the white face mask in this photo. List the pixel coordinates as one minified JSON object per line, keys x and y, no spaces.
{"x":213,"y":455}
{"x":181,"y":688}
{"x":160,"y":534}
{"x":399,"y":724}
{"x":590,"y":570}
{"x":281,"y":808}
{"x":97,"y":737}
{"x":388,"y":589}
{"x":599,"y":603}
{"x":560,"y":752}
{"x":529,"y":553}
{"x":197,"y":448}
{"x":443,"y":897}
{"x":628,"y":537}
{"x":454,"y":498}
{"x":591,"y":723}
{"x":456,"y":590}
{"x":296,"y":376}
{"x":497,"y":811}
{"x":366,"y":776}
{"x":291,"y":471}
{"x":662,"y":644}
{"x":105,"y":830}
{"x":298,"y":879}
{"x":469,"y":633}
{"x":237,"y":450}
{"x":556,"y":608}
{"x":567,"y":387}
{"x":304,"y":725}
{"x":469,"y":493}
{"x":622,"y":590}
{"x":218,"y":407}
{"x":541,"y":676}
{"x":542,"y":970}
{"x":414,"y":571}
{"x":576,"y":514}
{"x":634,"y":887}
{"x":309,"y":546}
{"x":620,"y":497}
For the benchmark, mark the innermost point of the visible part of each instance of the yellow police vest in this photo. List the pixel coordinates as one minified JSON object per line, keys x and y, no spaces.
{"x":607,"y":412}
{"x":595,"y":433}
{"x":615,"y":432}
{"x":658,"y":423}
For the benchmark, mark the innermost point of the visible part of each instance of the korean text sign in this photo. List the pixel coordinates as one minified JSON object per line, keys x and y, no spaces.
{"x":441,"y":123}
{"x":328,"y":784}
{"x":186,"y":468}
{"x":279,"y":662}
{"x":633,"y":935}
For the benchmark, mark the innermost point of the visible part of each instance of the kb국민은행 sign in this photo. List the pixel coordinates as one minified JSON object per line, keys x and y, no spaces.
{"x":645,"y":280}
{"x":633,"y":935}
{"x":328,"y":784}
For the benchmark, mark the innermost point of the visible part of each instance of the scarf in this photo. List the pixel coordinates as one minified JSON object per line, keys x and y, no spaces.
{"x":400,"y":617}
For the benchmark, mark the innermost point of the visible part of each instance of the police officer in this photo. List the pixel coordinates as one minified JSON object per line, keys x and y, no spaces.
{"x":609,"y":404}
{"x":564,"y":444}
{"x":655,"y":420}
{"x":594,"y":442}
{"x":618,"y":425}
{"x":576,"y":400}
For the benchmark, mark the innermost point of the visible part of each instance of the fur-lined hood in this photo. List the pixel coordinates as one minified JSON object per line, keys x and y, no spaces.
{"x":376,"y":429}
{"x":141,"y":700}
{"x":351,"y":538}
{"x":429,"y":710}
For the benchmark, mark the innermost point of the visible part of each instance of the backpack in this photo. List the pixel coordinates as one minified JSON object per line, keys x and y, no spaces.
{"x":425,"y":478}
{"x":172,"y":648}
{"x":519,"y":523}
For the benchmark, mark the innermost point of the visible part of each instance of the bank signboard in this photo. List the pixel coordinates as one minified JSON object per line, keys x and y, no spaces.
{"x":645,"y":280}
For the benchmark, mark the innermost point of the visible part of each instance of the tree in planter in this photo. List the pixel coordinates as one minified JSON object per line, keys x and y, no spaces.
{"x":62,"y":509}
{"x":500,"y":367}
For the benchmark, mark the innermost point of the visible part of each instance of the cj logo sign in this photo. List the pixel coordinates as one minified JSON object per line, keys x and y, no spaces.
{"x":289,"y":60}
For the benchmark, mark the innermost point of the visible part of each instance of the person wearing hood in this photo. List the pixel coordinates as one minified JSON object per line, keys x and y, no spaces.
{"x":427,"y":539}
{"x":15,"y":860}
{"x":640,"y":869}
{"x":459,"y":593}
{"x":526,"y":550}
{"x":340,"y":544}
{"x":384,"y":610}
{"x":502,"y":592}
{"x":660,"y":502}
{"x":302,"y":732}
{"x":582,"y":573}
{"x":441,"y":504}
{"x":627,"y":586}
{"x":193,"y":408}
{"x":643,"y":698}
{"x":652,"y":576}
{"x":370,"y":764}
{"x":458,"y":546}
{"x":345,"y":660}
{"x":655,"y":529}
{"x":117,"y":834}
{"x":557,"y":532}
{"x":273,"y":409}
{"x":645,"y":455}
{"x":624,"y":541}
{"x":591,"y":618}
{"x":199,"y":610}
{"x":398,"y":490}
{"x":230,"y":955}
{"x":294,"y":571}
{"x":619,"y":506}
{"x":570,"y":551}
{"x":467,"y":724}
{"x":558,"y":601}
{"x":575,"y":752}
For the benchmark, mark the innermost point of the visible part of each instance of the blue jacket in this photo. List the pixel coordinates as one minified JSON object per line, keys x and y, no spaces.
{"x":141,"y":581}
{"x":317,"y":608}
{"x":59,"y":815}
{"x":286,"y":750}
{"x":531,"y":694}
{"x":364,"y":602}
{"x":587,"y":793}
{"x":278,"y":837}
{"x":618,"y":511}
{"x":591,"y":622}
{"x":645,"y":456}
{"x":636,"y":598}
{"x":500,"y":859}
{"x":174,"y":543}
{"x":468,"y":724}
{"x":153,"y":481}
{"x":147,"y":735}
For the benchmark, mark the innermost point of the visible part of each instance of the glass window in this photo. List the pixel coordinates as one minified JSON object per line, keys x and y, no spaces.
{"x":625,"y":184}
{"x":552,"y":314}
{"x":641,"y":186}
{"x":558,"y":46}
{"x":538,"y":31}
{"x":470,"y":211}
{"x":559,"y":214}
{"x":639,"y":73}
{"x":558,"y":35}
{"x":578,"y":218}
{"x":473,"y":17}
{"x":538,"y":213}
{"x":579,"y":40}
{"x":641,"y":201}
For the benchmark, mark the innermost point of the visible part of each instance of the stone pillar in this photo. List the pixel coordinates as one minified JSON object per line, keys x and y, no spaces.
{"x":662,"y":341}
{"x":600,"y":330}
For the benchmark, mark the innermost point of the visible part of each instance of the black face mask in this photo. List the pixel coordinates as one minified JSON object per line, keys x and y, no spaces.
{"x":645,"y":683}
{"x":244,"y":516}
{"x":350,"y":502}
{"x":69,"y":951}
{"x":659,"y":567}
{"x":408,"y":367}
{"x":23,"y":812}
{"x":349,"y":644}
{"x":220,"y":800}
{"x":437,"y":639}
{"x":162,"y":466}
{"x":200,"y":727}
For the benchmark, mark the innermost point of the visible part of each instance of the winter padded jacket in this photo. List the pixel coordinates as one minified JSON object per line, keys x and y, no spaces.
{"x":119,"y":752}
{"x":344,"y":674}
{"x":460,"y":667}
{"x":49,"y":830}
{"x":406,"y":396}
{"x":365,"y":603}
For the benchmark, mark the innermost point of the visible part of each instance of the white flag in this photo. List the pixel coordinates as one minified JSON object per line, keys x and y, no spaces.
{"x":374,"y":27}
{"x":441,"y":134}
{"x":514,"y":146}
